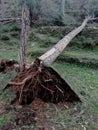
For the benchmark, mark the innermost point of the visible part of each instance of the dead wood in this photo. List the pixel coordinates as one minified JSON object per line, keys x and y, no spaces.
{"x":51,"y":55}
{"x":10,"y":19}
{"x":40,"y":81}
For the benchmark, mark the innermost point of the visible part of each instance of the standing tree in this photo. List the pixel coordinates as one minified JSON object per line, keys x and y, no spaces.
{"x":2,"y":9}
{"x":24,"y":36}
{"x":63,"y":8}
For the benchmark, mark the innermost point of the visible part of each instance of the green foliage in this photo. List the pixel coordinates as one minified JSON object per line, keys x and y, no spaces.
{"x":4,"y":29}
{"x":4,"y":95}
{"x":83,"y":42}
{"x":12,"y":43}
{"x":2,"y":121}
{"x":15,"y":27}
{"x":6,"y":120}
{"x":50,"y":11}
{"x":15,"y":34}
{"x":32,"y":37}
{"x":43,"y":12}
{"x":4,"y":37}
{"x":89,"y":42}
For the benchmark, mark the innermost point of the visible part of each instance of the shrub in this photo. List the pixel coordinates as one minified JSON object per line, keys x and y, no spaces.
{"x":15,"y":34}
{"x":4,"y":37}
{"x":32,"y":37}
{"x":12,"y":42}
{"x":15,"y":28}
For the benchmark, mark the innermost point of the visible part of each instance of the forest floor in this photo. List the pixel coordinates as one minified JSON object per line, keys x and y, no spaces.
{"x":78,"y":65}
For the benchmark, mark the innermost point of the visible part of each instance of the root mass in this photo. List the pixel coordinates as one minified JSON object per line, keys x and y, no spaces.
{"x":40,"y":81}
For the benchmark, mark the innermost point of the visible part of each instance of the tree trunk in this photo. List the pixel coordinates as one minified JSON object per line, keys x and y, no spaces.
{"x":63,"y":8}
{"x":24,"y":36}
{"x":50,"y":56}
{"x":2,"y":9}
{"x":16,"y":10}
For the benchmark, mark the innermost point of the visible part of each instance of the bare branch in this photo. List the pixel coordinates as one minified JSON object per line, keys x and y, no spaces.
{"x":10,"y":19}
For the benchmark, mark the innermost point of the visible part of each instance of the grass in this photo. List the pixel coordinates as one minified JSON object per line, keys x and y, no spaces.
{"x":3,"y":119}
{"x":82,"y":53}
{"x":84,"y":82}
{"x":6,"y":96}
{"x":83,"y":79}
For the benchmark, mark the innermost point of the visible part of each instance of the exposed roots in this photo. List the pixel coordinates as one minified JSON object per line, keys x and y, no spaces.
{"x":40,"y":81}
{"x":8,"y":65}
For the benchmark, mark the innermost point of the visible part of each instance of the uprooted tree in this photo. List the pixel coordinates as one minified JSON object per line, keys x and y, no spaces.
{"x":41,"y":81}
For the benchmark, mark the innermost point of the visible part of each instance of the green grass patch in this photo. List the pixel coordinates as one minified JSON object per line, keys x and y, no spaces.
{"x":7,"y":95}
{"x":84,"y":81}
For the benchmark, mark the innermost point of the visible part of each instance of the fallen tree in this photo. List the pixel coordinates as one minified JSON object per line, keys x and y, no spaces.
{"x":41,"y":81}
{"x":50,"y":56}
{"x":9,"y":19}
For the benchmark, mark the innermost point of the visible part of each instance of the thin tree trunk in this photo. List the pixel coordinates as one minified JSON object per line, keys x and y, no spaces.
{"x":63,"y":8}
{"x":2,"y":9}
{"x":50,"y":56}
{"x":24,"y":36}
{"x":16,"y":10}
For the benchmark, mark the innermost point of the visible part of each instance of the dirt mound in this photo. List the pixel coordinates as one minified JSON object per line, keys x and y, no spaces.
{"x":8,"y":65}
{"x":40,"y":81}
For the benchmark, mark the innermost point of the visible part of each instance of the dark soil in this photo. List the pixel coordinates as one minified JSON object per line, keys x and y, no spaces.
{"x":8,"y":65}
{"x":23,"y":116}
{"x":40,"y":81}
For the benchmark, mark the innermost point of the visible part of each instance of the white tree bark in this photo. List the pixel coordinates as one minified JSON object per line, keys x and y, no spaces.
{"x":50,"y":56}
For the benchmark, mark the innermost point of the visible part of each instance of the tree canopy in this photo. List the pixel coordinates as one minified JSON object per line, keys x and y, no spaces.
{"x":53,"y":12}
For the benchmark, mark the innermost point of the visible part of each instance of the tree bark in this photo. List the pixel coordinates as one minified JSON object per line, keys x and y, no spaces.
{"x":24,"y":36}
{"x":50,"y":56}
{"x":2,"y":9}
{"x":63,"y":8}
